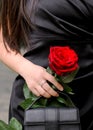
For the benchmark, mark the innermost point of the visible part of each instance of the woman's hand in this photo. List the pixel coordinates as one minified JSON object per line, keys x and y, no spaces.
{"x":36,"y":78}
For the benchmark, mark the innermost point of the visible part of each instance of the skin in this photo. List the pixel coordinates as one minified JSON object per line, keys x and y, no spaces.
{"x":18,"y":63}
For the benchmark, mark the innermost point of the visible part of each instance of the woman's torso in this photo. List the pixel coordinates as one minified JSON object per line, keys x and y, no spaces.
{"x":62,"y":23}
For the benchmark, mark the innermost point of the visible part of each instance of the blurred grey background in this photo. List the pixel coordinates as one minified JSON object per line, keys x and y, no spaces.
{"x":7,"y":77}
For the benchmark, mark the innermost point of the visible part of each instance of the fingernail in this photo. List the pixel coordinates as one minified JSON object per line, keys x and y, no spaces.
{"x":61,"y":89}
{"x":57,"y":95}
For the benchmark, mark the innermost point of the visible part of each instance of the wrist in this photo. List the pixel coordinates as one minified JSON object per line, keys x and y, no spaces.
{"x":25,"y":68}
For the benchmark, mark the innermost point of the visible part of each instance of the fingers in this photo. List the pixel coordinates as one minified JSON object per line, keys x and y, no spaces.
{"x":34,"y":91}
{"x":43,"y":92}
{"x":40,"y":92}
{"x":52,"y":80}
{"x":39,"y":86}
{"x":37,"y":89}
{"x":49,"y":90}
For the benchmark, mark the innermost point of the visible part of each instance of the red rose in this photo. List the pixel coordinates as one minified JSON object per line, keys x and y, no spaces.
{"x":63,"y":60}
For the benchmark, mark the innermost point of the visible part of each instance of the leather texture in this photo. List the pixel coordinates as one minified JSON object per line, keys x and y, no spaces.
{"x":52,"y":118}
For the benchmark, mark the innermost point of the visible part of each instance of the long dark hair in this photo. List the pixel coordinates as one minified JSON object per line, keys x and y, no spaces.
{"x":15,"y":22}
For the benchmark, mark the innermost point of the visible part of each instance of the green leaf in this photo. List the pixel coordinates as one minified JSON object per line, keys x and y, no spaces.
{"x":69,"y":102}
{"x":26,"y":91}
{"x":15,"y":124}
{"x":37,"y":106}
{"x":67,"y":89}
{"x":61,"y":100}
{"x":4,"y":126}
{"x":40,"y":102}
{"x":28,"y":94}
{"x":71,"y":93}
{"x":43,"y":101}
{"x":49,"y":71}
{"x":53,"y":102}
{"x":54,"y":87}
{"x":26,"y":103}
{"x":69,"y":77}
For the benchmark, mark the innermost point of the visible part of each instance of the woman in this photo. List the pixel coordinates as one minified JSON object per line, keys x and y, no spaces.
{"x":39,"y":24}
